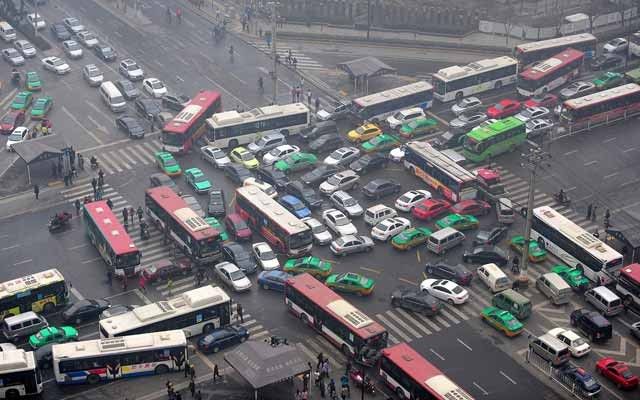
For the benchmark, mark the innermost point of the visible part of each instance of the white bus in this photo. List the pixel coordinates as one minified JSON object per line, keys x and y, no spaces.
{"x":19,"y":375}
{"x":93,"y":361}
{"x":197,"y":311}
{"x":232,"y":128}
{"x":456,"y":82}
{"x":575,"y":246}
{"x":378,"y":106}
{"x":528,"y":53}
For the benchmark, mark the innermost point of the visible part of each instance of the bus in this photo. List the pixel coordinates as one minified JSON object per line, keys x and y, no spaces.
{"x":634,"y":45}
{"x":184,"y":130}
{"x":411,"y":376}
{"x":111,"y":239}
{"x":601,"y":108}
{"x":628,"y":285}
{"x":233,"y":128}
{"x":550,"y":74}
{"x":19,"y":374}
{"x":378,"y":106}
{"x":195,"y":312}
{"x":529,"y":53}
{"x":41,"y":292}
{"x":439,"y":171}
{"x":286,"y":233}
{"x":632,"y":76}
{"x":499,"y":137}
{"x":456,"y":82}
{"x":575,"y":246}
{"x":100,"y":360}
{"x":348,"y":328}
{"x":190,"y":232}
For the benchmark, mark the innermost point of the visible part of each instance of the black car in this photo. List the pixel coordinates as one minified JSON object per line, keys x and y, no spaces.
{"x":84,"y":310}
{"x":416,"y":301}
{"x":304,"y":193}
{"x":131,"y":126}
{"x":378,"y":188}
{"x":326,"y":143}
{"x":314,"y":131}
{"x":485,"y":255}
{"x":236,"y":254}
{"x":368,"y":163}
{"x":60,"y":32}
{"x":594,"y":326}
{"x":237,"y":173}
{"x":457,"y":273}
{"x":216,"y":203}
{"x":104,"y":52}
{"x":448,"y":140}
{"x":128,"y":89}
{"x":319,"y":174}
{"x":606,"y":61}
{"x":146,"y":107}
{"x":490,"y":237}
{"x":272,"y":176}
{"x":160,"y":179}
{"x":222,"y":337}
{"x":44,"y":356}
{"x":175,"y":102}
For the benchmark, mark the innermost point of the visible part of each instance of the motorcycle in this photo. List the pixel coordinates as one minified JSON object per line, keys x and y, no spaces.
{"x":59,"y":222}
{"x":15,"y":78}
{"x":94,"y":163}
{"x":562,"y":199}
{"x":366,"y":384}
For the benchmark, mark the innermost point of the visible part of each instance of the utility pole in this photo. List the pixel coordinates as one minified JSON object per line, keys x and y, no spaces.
{"x":368,"y":18}
{"x":274,"y":53}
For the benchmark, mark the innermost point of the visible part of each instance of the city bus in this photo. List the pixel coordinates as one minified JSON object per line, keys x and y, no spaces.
{"x":184,"y":130}
{"x":100,"y":360}
{"x":378,"y":106}
{"x":528,"y":53}
{"x":111,"y":239}
{"x":440,"y":172}
{"x":456,"y":82}
{"x":601,"y":108}
{"x":190,"y":232}
{"x":41,"y":292}
{"x":634,"y":45}
{"x":575,"y":246}
{"x":195,"y":312}
{"x":499,"y":137}
{"x":286,"y":233}
{"x":233,"y":128}
{"x":346,"y":327}
{"x":19,"y":374}
{"x":550,"y":74}
{"x":411,"y":376}
{"x":628,"y":285}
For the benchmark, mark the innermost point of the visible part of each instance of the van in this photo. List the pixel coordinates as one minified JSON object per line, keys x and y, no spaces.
{"x":504,"y":211}
{"x":554,"y":287}
{"x":604,"y":300}
{"x":321,"y":128}
{"x":7,"y":33}
{"x":550,"y":349}
{"x":493,"y":277}
{"x":112,"y":97}
{"x":510,"y":300}
{"x":444,"y":239}
{"x":377,"y":213}
{"x":592,"y":324}
{"x":25,"y":324}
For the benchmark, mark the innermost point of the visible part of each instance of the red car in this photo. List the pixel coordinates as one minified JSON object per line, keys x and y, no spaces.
{"x":430,"y":208}
{"x":471,"y":207}
{"x":163,"y":270}
{"x":504,"y":108}
{"x":11,"y":121}
{"x":547,"y":100}
{"x":617,"y":372}
{"x":237,"y":227}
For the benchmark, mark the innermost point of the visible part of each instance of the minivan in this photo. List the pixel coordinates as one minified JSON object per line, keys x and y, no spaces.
{"x":593,"y":325}
{"x":554,"y":287}
{"x":504,"y":211}
{"x":112,"y":97}
{"x":396,"y":120}
{"x":510,"y":300}
{"x":7,"y":33}
{"x":444,"y":239}
{"x":551,"y":349}
{"x":321,"y":128}
{"x":22,"y":325}
{"x":493,"y":277}
{"x":604,"y":300}
{"x":377,"y":213}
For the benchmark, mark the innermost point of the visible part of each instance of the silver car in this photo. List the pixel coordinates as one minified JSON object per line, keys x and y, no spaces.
{"x":321,"y":234}
{"x":466,"y":122}
{"x":92,"y":75}
{"x":530,"y":113}
{"x":538,"y":126}
{"x":214,"y":155}
{"x":342,"y":156}
{"x":467,"y":105}
{"x":130,"y":69}
{"x":350,"y":244}
{"x":232,"y":276}
{"x":72,"y":49}
{"x":26,"y":48}
{"x":577,"y":89}
{"x":344,"y":202}
{"x":267,"y":142}
{"x":344,"y":180}
{"x":12,"y":56}
{"x":88,"y":39}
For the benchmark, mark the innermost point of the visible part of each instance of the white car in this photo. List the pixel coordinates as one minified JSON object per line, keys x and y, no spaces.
{"x":265,"y":256}
{"x":26,"y":48}
{"x":397,"y":154}
{"x":408,"y":200}
{"x":55,"y":64}
{"x":577,"y":345}
{"x":92,"y":74}
{"x":19,"y":135}
{"x":342,"y":156}
{"x":214,"y":155}
{"x":232,"y":276}
{"x":72,"y":49}
{"x":530,"y":113}
{"x":36,"y":21}
{"x":467,"y":105}
{"x":73,"y":25}
{"x":400,"y":118}
{"x":346,"y":203}
{"x":445,"y":290}
{"x":538,"y":126}
{"x":617,"y":45}
{"x":321,"y":234}
{"x":154,"y":87}
{"x":131,"y":70}
{"x":12,"y":56}
{"x":87,"y":39}
{"x":7,"y":347}
{"x":388,"y":228}
{"x":279,"y":153}
{"x":338,"y":222}
{"x":577,"y":89}
{"x":262,"y":185}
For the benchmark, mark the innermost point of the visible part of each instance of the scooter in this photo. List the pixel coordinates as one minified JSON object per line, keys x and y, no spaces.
{"x":144,"y":231}
{"x":366,"y":384}
{"x":94,"y":164}
{"x":563,"y":200}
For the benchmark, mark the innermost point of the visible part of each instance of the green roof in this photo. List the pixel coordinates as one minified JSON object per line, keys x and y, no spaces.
{"x":497,"y":127}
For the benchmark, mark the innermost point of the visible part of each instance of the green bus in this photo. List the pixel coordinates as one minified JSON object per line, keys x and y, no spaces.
{"x":633,"y":76}
{"x":499,"y":137}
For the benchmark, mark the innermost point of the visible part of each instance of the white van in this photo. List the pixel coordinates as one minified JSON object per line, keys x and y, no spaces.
{"x":21,"y":325}
{"x":493,"y":277}
{"x":554,"y":287}
{"x":405,"y":116}
{"x":551,"y":349}
{"x":444,"y":239}
{"x":377,"y":213}
{"x":112,"y":97}
{"x":604,"y":300}
{"x":504,"y":211}
{"x":7,"y":33}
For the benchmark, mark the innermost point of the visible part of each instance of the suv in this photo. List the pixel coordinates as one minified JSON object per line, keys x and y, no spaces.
{"x":105,"y":52}
{"x":347,"y":204}
{"x":457,"y":273}
{"x":215,"y":208}
{"x":266,"y":143}
{"x":131,"y":70}
{"x":272,"y":176}
{"x":92,"y":75}
{"x":306,"y":194}
{"x":593,"y":325}
{"x":416,"y":301}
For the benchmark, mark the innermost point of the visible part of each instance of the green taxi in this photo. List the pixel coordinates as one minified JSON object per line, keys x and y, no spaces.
{"x":351,"y":282}
{"x":608,"y":80}
{"x":215,"y":224}
{"x":417,"y":127}
{"x":310,"y":264}
{"x":536,"y":253}
{"x":459,"y":222}
{"x":296,"y":162}
{"x":22,"y":101}
{"x":573,"y":276}
{"x":410,"y":238}
{"x":380,"y":143}
{"x":33,"y":81}
{"x":41,"y":107}
{"x":502,"y":320}
{"x":197,"y":180}
{"x":53,"y":334}
{"x":167,"y":163}
{"x":244,"y":157}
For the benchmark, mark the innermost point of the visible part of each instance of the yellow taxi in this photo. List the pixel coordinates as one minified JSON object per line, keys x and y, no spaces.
{"x":364,"y":133}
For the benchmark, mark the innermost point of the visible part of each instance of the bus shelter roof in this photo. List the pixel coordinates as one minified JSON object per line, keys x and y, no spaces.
{"x":367,"y":67}
{"x":41,"y":149}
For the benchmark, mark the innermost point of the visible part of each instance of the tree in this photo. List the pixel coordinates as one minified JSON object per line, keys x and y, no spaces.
{"x":595,"y":8}
{"x":622,"y":6}
{"x":508,"y":14}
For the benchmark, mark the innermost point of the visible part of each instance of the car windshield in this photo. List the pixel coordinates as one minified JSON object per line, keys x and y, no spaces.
{"x":319,"y":229}
{"x":157,"y":85}
{"x":246,"y":156}
{"x":405,"y":198}
{"x":236,"y":275}
{"x":89,"y":36}
{"x":298,"y":206}
{"x":93,"y":72}
{"x":57,"y":62}
{"x":360,"y":130}
{"x":341,"y":221}
{"x":201,"y":178}
{"x":15,"y":136}
{"x":349,"y":202}
{"x":169,"y":162}
{"x":398,"y":115}
{"x":12,"y":53}
{"x":132,"y":67}
{"x":74,"y":46}
{"x":332,"y":180}
{"x":268,"y":255}
{"x":457,"y":289}
{"x":363,"y":281}
{"x":8,"y":119}
{"x":579,"y":342}
{"x":336,"y":155}
{"x":217,"y":154}
{"x":107,"y":50}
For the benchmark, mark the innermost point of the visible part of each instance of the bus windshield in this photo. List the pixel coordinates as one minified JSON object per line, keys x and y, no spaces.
{"x":171,"y":139}
{"x":128,"y":259}
{"x":301,"y":239}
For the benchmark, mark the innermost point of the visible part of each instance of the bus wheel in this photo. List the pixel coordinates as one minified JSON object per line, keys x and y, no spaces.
{"x":208,"y":328}
{"x":304,"y":318}
{"x":400,"y":393}
{"x":345,"y":350}
{"x":233,"y":143}
{"x":459,"y":96}
{"x":12,"y":394}
{"x":93,"y":379}
{"x":161,"y":369}
{"x":48,"y":308}
{"x":498,"y":85}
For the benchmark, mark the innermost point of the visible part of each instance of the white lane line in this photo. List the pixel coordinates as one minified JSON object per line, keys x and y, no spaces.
{"x":10,"y":247}
{"x":456,"y":311}
{"x":437,"y":354}
{"x":236,"y":76}
{"x":142,"y":296}
{"x":610,"y":175}
{"x":138,"y":156}
{"x":74,"y":119}
{"x":451,"y":317}
{"x":590,"y":163}
{"x":609,"y":140}
{"x":403,"y":324}
{"x":126,"y":155}
{"x":464,"y":344}
{"x":431,"y":324}
{"x":484,"y":392}
{"x":416,"y":323}
{"x":629,"y":149}
{"x":568,"y":153}
{"x":115,"y":155}
{"x":508,"y":378}
{"x":23,"y":262}
{"x":77,"y":294}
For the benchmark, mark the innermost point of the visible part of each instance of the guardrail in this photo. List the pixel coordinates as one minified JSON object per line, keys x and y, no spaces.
{"x":554,"y":374}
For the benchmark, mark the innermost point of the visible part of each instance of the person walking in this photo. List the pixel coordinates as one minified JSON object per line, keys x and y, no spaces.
{"x":179,"y":14}
{"x":125,"y":214}
{"x":593,"y":213}
{"x":110,"y":204}
{"x":168,"y":15}
{"x":239,"y":310}
{"x":589,"y":211}
{"x":216,"y":372}
{"x":192,"y":371}
{"x":125,"y":283}
{"x":198,"y":396}
{"x":110,"y":278}
{"x":77,"y":206}
{"x":140,"y":213}
{"x":317,"y":104}
{"x":142,"y":282}
{"x":192,"y":388}
{"x":515,"y":266}
{"x":80,"y":162}
{"x":186,"y":369}
{"x":169,"y":286}
{"x":320,"y":358}
{"x":36,"y":190}
{"x":309,"y":96}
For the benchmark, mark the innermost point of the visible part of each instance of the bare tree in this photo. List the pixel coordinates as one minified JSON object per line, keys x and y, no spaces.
{"x":622,"y":6}
{"x":508,"y":14}
{"x":559,"y":14}
{"x":595,"y":8}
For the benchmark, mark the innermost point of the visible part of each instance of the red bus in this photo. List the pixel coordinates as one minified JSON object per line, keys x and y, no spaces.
{"x":348,"y":328}
{"x":628,"y":285}
{"x":179,"y":134}
{"x":190,"y":232}
{"x":411,"y":376}
{"x":550,"y":74}
{"x":111,"y":239}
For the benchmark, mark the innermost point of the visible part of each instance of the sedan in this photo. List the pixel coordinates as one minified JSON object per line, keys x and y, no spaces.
{"x":580,"y":379}
{"x":326,"y":143}
{"x":342,"y":156}
{"x":222,"y":337}
{"x":265,"y":256}
{"x":577,"y":89}
{"x":197,"y":180}
{"x":243,"y":156}
{"x":84,"y":310}
{"x":466,"y":105}
{"x":279,"y":153}
{"x":92,"y":75}
{"x":453,"y":272}
{"x":19,"y":135}
{"x":364,"y":133}
{"x":608,"y":80}
{"x":502,"y":320}
{"x":308,"y":196}
{"x":485,"y":255}
{"x":130,"y":69}
{"x":573,"y":276}
{"x":369,"y":162}
{"x":318,"y":174}
{"x":465,"y":123}
{"x":430,"y":208}
{"x":311,"y":265}
{"x":146,"y":107}
{"x":22,"y":101}
{"x":577,"y":345}
{"x":175,"y":102}
{"x":387,"y":228}
{"x":236,"y":254}
{"x":617,"y":45}
{"x":490,"y":237}
{"x":11,"y":121}
{"x":504,"y":108}
{"x":418,"y":127}
{"x":536,"y":253}
{"x":36,"y":21}
{"x":87,"y":39}
{"x":232,"y":276}
{"x":53,"y":334}
{"x":409,"y":199}
{"x":272,"y":176}
{"x":73,"y":25}
{"x":117,"y":309}
{"x":416,"y":301}
{"x":131,"y":126}
{"x":458,"y":222}
{"x":273,"y":280}
{"x":546,"y":100}
{"x":165,"y":269}
{"x":237,"y":173}
{"x":321,"y":234}
{"x":381,"y":187}
{"x":380,"y":143}
{"x":349,"y":244}
{"x":215,"y":156}
{"x":154,"y":87}
{"x":128,"y":89}
{"x":12,"y":57}
{"x":41,"y":107}
{"x":345,"y":180}
{"x":471,"y":207}
{"x":350,"y":282}
{"x":538,"y":126}
{"x":55,"y":64}
{"x":237,"y":227}
{"x":445,"y":290}
{"x":33,"y":82}
{"x":105,"y":52}
{"x":338,"y":222}
{"x":60,"y":32}
{"x":606,"y":61}
{"x":410,"y":238}
{"x":532,"y":113}
{"x":617,"y":372}
{"x":167,"y":163}
{"x":296,"y":162}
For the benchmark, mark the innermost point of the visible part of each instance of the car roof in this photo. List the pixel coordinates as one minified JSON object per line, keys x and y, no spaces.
{"x":229,"y":267}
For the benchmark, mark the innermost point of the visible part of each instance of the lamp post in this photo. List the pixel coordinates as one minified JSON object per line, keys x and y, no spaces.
{"x":368,"y":19}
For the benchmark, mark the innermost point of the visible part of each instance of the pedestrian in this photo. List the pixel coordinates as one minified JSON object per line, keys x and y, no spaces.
{"x":198,"y":278}
{"x":305,"y":381}
{"x":192,"y":388}
{"x":151,"y":121}
{"x":589,"y":210}
{"x":198,"y":395}
{"x":309,"y":96}
{"x":169,"y":287}
{"x":216,"y":372}
{"x":322,"y":390}
{"x":142,"y":282}
{"x":325,"y":369}
{"x":192,"y":371}
{"x":320,"y":358}
{"x":239,"y":311}
{"x":593,"y":213}
{"x":132,"y":214}
{"x":317,"y":104}
{"x":332,"y":388}
{"x":347,"y":368}
{"x":36,"y":190}
{"x":179,"y":14}
{"x":515,"y":266}
{"x":80,"y":162}
{"x":110,"y":277}
{"x":293,"y":95}
{"x":298,"y":395}
{"x":77,"y":205}
{"x":66,"y":180}
{"x":186,"y":369}
{"x":125,"y":214}
{"x":169,"y":386}
{"x":125,"y":283}
{"x":110,"y":204}
{"x":140,"y":214}
{"x":178,"y":396}
{"x":60,"y":168}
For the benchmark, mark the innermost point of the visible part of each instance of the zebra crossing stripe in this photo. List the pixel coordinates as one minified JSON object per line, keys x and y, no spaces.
{"x":247,"y":323}
{"x":148,"y":146}
{"x":115,"y":155}
{"x":416,"y":323}
{"x":106,"y":165}
{"x":125,"y":155}
{"x":403,"y":324}
{"x":157,"y":143}
{"x":255,"y":328}
{"x":451,"y":317}
{"x":389,"y":325}
{"x":139,"y":154}
{"x":456,"y":311}
{"x":318,"y":349}
{"x":393,"y":339}
{"x":259,"y":334}
{"x":428,"y":322}
{"x":441,"y":320}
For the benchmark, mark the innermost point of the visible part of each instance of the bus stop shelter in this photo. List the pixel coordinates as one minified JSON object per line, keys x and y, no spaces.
{"x":43,"y":148}
{"x":628,"y":236}
{"x":362,"y":69}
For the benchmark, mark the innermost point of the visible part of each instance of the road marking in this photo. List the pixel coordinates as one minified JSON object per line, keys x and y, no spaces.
{"x":629,"y":149}
{"x":10,"y":247}
{"x":464,"y":344}
{"x":141,"y":296}
{"x":508,"y":378}
{"x":125,"y":155}
{"x":403,"y":324}
{"x":630,"y":182}
{"x":179,"y":78}
{"x":23,"y":262}
{"x":590,"y":163}
{"x":77,"y":294}
{"x":418,"y":254}
{"x":91,"y":260}
{"x":375,"y":271}
{"x":408,"y":281}
{"x":437,"y":355}
{"x":415,"y":322}
{"x":97,"y":124}
{"x":159,"y":63}
{"x":238,"y":78}
{"x":389,"y":325}
{"x":9,"y":97}
{"x":74,"y":119}
{"x":77,"y":246}
{"x":568,"y":153}
{"x":610,"y":175}
{"x":443,"y":121}
{"x":609,"y":140}
{"x":484,"y":392}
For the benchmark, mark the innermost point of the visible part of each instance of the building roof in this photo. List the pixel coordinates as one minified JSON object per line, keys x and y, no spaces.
{"x":366,"y":66}
{"x":41,"y":148}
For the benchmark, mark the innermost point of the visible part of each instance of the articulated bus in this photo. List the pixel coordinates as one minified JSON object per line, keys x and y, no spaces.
{"x":628,"y":285}
{"x":19,"y":374}
{"x":41,"y":292}
{"x":550,"y":74}
{"x":378,"y":106}
{"x":528,"y":53}
{"x":499,"y":137}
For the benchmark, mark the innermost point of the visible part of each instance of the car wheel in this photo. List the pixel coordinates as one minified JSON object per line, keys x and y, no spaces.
{"x":161,"y":369}
{"x":215,"y":349}
{"x":208,"y":329}
{"x":265,"y":286}
{"x":450,"y":301}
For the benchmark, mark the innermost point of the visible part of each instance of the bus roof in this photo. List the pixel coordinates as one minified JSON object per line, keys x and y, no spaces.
{"x":456,"y":71}
{"x":442,"y":161}
{"x":632,"y":271}
{"x":555,"y":42}
{"x":110,"y":227}
{"x":633,"y":74}
{"x":192,"y":111}
{"x":552,"y":64}
{"x":233,"y":117}
{"x":16,"y":361}
{"x":497,"y":127}
{"x":274,"y":210}
{"x":331,"y":302}
{"x":391,"y":94}
{"x":604,"y":95}
{"x":29,"y":282}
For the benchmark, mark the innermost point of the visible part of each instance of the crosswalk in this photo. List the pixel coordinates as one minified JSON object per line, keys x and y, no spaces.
{"x":133,"y":155}
{"x":304,"y":62}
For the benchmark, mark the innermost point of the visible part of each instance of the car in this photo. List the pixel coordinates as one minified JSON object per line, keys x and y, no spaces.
{"x":273,"y":176}
{"x":117,"y":309}
{"x":222,"y":337}
{"x":321,"y":234}
{"x":389,"y":227}
{"x":73,"y":25}
{"x":532,"y":113}
{"x":338,"y":222}
{"x":466,"y":122}
{"x":326,"y":143}
{"x":380,"y":187}
{"x":36,"y":20}
{"x":318,"y":174}
{"x":453,"y":272}
{"x":606,"y":61}
{"x":215,"y":156}
{"x":467,"y":105}
{"x":311,"y":265}
{"x":128,"y":90}
{"x":131,"y":126}
{"x":53,"y":334}
{"x":363,"y":133}
{"x":193,"y":204}
{"x":368,"y":163}
{"x":418,"y":127}
{"x":430,"y":208}
{"x":146,"y":107}
{"x":504,"y":108}
{"x":243,"y":156}
{"x":380,"y":143}
{"x":60,"y":32}
{"x":342,"y":156}
{"x":410,"y":238}
{"x":215,"y":224}
{"x":197,"y":180}
{"x":547,"y":100}
{"x":266,"y":187}
{"x":410,"y":199}
{"x":166,"y":269}
{"x":295,"y":206}
{"x":41,"y":107}
{"x":22,"y":101}
{"x":296,"y":162}
{"x":577,"y":89}
{"x":490,"y":237}
{"x":502,"y":320}
{"x":92,"y":75}
{"x":175,"y":102}
{"x":168,"y":164}
{"x":33,"y":82}
{"x":334,"y":110}
{"x":485,"y":255}
{"x":416,"y":301}
{"x":236,"y":173}
{"x":56,"y":64}
{"x":154,"y":87}
{"x":105,"y":52}
{"x":11,"y":121}
{"x":347,"y":204}
{"x":577,"y":345}
{"x":458,"y":222}
{"x":617,"y":372}
{"x":235,"y":253}
{"x":538,"y":126}
{"x":592,"y":324}
{"x":445,"y":290}
{"x":451,"y":139}
{"x":84,"y":310}
{"x":350,"y":282}
{"x":471,"y":207}
{"x":12,"y":57}
{"x":396,"y":120}
{"x":308,"y":196}
{"x":237,"y":227}
{"x":273,"y":280}
{"x":617,"y":45}
{"x":265,"y":256}
{"x":344,"y":180}
{"x":536,"y":253}
{"x":279,"y":153}
{"x":87,"y":39}
{"x":608,"y":80}
{"x":267,"y":142}
{"x":634,"y":329}
{"x":579,"y":378}
{"x":131,"y":70}
{"x":573,"y":276}
{"x":19,"y":135}
{"x":159,"y":179}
